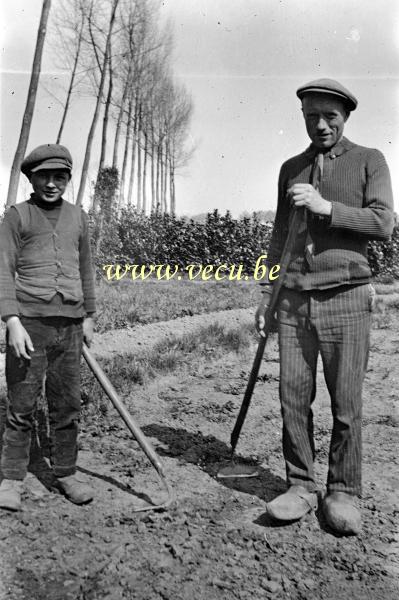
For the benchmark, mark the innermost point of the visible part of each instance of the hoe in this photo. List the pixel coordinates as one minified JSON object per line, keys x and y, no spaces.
{"x":233,"y":470}
{"x":138,"y":435}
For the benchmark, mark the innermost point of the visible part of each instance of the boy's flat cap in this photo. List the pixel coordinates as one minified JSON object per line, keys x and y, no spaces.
{"x":47,"y":156}
{"x":331,"y":87}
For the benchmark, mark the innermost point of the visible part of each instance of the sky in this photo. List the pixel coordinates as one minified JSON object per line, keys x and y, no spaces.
{"x":241,"y":61}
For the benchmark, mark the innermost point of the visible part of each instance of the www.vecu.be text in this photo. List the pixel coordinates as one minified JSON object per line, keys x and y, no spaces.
{"x":223,"y":272}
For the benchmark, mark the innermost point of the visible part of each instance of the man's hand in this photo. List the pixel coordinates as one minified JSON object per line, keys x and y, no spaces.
{"x":260,"y":313}
{"x":88,"y":330}
{"x":18,"y":338}
{"x":304,"y":194}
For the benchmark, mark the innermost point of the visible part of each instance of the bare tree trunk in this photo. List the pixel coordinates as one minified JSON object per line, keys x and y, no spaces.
{"x":134,"y":149}
{"x":106,"y":114}
{"x":145,"y":172}
{"x":120,"y":115}
{"x":165,"y":185}
{"x":153,"y":197}
{"x":72,"y":80}
{"x":126,"y":152}
{"x":30,"y":105}
{"x":162,"y":181}
{"x":89,"y":144}
{"x":139,"y":207}
{"x":159,"y":158}
{"x":92,"y":38}
{"x":172,"y":188}
{"x":166,"y":173}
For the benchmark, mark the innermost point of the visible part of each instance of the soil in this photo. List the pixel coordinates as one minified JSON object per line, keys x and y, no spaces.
{"x":215,"y":541}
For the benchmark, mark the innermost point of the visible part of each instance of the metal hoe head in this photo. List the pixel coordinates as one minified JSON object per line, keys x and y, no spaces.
{"x":236,"y":471}
{"x":232,"y":470}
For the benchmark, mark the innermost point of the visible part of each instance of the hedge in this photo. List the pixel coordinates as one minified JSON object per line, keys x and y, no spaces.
{"x":131,"y":237}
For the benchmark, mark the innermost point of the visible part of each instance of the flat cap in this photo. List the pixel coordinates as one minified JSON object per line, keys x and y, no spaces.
{"x":331,"y":87}
{"x":47,"y":156}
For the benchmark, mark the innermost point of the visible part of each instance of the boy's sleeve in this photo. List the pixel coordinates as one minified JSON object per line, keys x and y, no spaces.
{"x":10,"y":239}
{"x":86,"y":268}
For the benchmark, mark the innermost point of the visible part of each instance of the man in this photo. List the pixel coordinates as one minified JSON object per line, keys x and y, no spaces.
{"x":325,"y":305}
{"x":47,"y":301}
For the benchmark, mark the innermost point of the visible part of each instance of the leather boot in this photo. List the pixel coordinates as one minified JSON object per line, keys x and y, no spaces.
{"x":295,"y":503}
{"x":341,"y":513}
{"x":75,"y":489}
{"x":10,"y":494}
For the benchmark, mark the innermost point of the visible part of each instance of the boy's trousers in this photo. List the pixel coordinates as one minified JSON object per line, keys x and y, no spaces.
{"x":57,"y":343}
{"x":334,"y":323}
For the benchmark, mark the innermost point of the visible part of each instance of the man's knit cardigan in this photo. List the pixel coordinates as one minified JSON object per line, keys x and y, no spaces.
{"x":356,"y":181}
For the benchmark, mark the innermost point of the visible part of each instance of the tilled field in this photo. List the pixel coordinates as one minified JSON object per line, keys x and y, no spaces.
{"x":215,"y":542}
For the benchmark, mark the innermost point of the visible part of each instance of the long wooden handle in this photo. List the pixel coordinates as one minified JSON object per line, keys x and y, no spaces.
{"x":143,"y":442}
{"x":269,"y":313}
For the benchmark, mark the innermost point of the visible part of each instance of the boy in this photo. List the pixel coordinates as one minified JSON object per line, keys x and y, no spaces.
{"x":47,"y":302}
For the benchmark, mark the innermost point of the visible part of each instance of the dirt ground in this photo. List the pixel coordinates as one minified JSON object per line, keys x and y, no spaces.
{"x":215,"y":541}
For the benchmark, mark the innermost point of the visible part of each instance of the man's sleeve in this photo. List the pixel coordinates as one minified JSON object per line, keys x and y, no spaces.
{"x":375,"y":220}
{"x":280,"y":228}
{"x":10,"y":239}
{"x":86,"y":268}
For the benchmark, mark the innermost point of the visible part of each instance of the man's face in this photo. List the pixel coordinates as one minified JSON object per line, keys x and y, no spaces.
{"x":325,"y":118}
{"x":50,"y":184}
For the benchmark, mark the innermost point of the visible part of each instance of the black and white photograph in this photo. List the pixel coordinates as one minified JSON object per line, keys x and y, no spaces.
{"x":199,"y":300}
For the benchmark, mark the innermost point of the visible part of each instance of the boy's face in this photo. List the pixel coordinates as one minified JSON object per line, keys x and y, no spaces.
{"x":50,"y":184}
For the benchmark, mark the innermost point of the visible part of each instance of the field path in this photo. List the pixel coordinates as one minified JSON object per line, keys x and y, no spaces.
{"x":141,"y":338}
{"x":216,"y":541}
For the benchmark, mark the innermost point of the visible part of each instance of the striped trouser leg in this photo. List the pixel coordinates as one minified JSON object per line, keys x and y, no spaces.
{"x":343,"y":327}
{"x":298,"y":346}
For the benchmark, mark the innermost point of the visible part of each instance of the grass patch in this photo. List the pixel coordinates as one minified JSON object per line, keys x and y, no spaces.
{"x":168,"y":356}
{"x":126,"y":303}
{"x":175,"y":352}
{"x":206,"y":340}
{"x":384,"y":289}
{"x":386,"y":305}
{"x":393,"y":302}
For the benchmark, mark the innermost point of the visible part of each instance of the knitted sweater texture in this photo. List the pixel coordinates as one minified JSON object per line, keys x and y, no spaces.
{"x":356,"y":181}
{"x":45,"y":261}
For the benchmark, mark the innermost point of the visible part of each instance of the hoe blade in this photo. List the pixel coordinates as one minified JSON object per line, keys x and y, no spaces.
{"x":233,"y":471}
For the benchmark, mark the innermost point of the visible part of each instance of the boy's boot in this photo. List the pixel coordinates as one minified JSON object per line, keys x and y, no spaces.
{"x":75,"y":489}
{"x":10,"y":494}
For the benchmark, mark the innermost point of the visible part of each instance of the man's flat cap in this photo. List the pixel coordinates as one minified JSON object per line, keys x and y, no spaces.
{"x":47,"y":156}
{"x":331,"y":87}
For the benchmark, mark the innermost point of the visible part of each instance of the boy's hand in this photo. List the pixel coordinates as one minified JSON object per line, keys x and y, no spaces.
{"x":18,"y":338}
{"x":88,"y":330}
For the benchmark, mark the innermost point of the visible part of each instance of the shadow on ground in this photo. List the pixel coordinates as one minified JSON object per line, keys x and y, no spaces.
{"x":210,"y":454}
{"x":40,"y":452}
{"x":207,"y":452}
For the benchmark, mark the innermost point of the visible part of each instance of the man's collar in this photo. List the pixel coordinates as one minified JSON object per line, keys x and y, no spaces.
{"x":340,"y":148}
